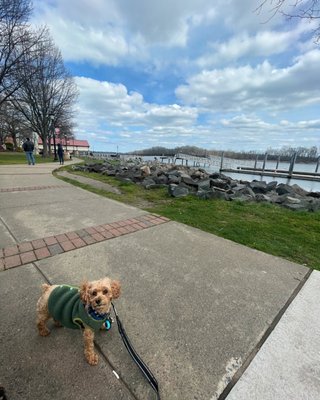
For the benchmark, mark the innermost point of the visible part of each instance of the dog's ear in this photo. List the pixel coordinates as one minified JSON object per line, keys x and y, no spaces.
{"x":115,"y":288}
{"x":84,"y":292}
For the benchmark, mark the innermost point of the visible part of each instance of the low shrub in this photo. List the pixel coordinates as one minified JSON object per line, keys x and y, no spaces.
{"x":9,"y":146}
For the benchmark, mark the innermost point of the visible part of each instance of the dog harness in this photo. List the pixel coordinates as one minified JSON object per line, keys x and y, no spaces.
{"x":65,"y":306}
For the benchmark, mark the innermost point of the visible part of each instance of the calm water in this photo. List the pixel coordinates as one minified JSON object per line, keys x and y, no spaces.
{"x":232,"y":163}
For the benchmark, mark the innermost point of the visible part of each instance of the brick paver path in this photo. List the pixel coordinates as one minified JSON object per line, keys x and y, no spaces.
{"x":21,"y":189}
{"x":27,"y":252}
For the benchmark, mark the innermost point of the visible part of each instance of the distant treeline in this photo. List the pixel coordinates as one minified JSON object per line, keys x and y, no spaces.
{"x":163,"y":151}
{"x":304,"y":154}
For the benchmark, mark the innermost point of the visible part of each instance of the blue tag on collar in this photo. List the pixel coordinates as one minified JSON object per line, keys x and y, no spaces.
{"x":107,"y":324}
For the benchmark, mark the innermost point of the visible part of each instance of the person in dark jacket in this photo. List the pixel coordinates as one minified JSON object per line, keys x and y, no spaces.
{"x":60,"y":152}
{"x":28,"y":148}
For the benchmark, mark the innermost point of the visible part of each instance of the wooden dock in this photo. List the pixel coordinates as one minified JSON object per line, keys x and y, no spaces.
{"x":309,"y":176}
{"x":188,"y":160}
{"x":204,"y":162}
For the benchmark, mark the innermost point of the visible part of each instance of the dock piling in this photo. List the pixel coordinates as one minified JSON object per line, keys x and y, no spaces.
{"x":292,"y":162}
{"x":318,"y":162}
{"x":264,"y":161}
{"x":221,"y":162}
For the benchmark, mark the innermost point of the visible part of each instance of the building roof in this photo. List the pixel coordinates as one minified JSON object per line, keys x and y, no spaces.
{"x":70,"y":142}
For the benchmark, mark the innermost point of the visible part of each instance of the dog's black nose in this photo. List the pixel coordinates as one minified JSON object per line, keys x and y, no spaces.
{"x":98,"y":301}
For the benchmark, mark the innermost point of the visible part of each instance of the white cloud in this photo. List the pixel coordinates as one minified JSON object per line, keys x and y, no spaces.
{"x":91,"y":31}
{"x":107,"y":32}
{"x":313,"y":124}
{"x":262,"y":44}
{"x":261,"y":134}
{"x":249,"y":88}
{"x":245,"y":122}
{"x":246,"y":15}
{"x":111,"y":104}
{"x":163,"y":22}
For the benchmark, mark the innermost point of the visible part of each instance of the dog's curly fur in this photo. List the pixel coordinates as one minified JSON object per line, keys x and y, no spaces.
{"x":97,"y":294}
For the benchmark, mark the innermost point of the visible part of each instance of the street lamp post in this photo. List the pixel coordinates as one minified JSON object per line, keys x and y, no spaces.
{"x":54,"y":138}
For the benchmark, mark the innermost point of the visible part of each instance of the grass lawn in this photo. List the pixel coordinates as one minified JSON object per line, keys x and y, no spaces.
{"x":269,"y":228}
{"x":20,"y":158}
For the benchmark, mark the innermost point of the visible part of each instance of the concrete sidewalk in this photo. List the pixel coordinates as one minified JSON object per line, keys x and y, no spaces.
{"x":196,"y":307}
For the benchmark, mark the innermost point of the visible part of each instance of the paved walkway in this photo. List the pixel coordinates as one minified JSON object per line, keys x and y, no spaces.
{"x":27,"y":252}
{"x":197,"y":307}
{"x":88,"y":181}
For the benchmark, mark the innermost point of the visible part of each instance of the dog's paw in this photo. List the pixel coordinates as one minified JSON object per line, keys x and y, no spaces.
{"x":44,"y":332}
{"x":92,"y":358}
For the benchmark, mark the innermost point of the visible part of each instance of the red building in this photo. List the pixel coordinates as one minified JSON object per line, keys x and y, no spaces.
{"x":73,"y":146}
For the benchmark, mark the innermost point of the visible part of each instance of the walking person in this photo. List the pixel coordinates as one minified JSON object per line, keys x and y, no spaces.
{"x":28,"y":148}
{"x":60,"y":152}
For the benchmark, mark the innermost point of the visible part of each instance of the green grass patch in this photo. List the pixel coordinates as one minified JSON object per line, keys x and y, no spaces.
{"x":8,"y":158}
{"x":292,"y":235}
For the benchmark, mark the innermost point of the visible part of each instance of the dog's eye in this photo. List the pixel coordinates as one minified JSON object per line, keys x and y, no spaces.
{"x":94,"y":293}
{"x":105,"y":291}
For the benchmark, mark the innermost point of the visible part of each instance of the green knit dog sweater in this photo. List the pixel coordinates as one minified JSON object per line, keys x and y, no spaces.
{"x":65,"y":306}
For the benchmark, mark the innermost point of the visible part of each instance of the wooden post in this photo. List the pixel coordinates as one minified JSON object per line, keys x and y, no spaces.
{"x":318,"y":162}
{"x":264,"y":161}
{"x":293,"y":160}
{"x":255,"y":163}
{"x":221,"y":163}
{"x":278,"y":162}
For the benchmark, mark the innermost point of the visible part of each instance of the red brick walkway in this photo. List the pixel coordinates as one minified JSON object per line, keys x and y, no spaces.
{"x":20,"y":189}
{"x":27,"y":252}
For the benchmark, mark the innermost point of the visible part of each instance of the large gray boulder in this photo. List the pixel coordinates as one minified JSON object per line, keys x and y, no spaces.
{"x":204,"y":184}
{"x":147,"y":182}
{"x":188,"y":180}
{"x":161,"y":179}
{"x":272,"y":185}
{"x":283,"y":188}
{"x":174,"y":179}
{"x":260,"y":197}
{"x":220,"y":183}
{"x":212,"y":194}
{"x":298,"y":190}
{"x":177,"y":190}
{"x":258,"y":187}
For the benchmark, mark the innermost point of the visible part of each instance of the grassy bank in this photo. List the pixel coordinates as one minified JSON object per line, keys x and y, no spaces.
{"x":269,"y":228}
{"x":7,"y":158}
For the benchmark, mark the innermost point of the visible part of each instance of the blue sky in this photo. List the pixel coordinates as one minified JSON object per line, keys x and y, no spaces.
{"x":187,"y":72}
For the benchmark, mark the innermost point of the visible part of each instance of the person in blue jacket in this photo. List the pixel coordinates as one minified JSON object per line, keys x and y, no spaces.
{"x":28,"y":148}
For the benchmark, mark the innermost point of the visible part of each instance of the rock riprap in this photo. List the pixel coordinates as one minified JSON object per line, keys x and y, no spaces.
{"x":182,"y":181}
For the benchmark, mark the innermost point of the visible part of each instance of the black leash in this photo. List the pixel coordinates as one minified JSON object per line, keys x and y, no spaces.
{"x":135,"y":356}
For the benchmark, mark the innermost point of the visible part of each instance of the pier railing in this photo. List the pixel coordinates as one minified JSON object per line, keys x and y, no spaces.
{"x":290,"y":173}
{"x":227,"y":165}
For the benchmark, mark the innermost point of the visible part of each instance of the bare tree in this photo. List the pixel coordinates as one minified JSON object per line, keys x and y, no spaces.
{"x":46,"y":98}
{"x":16,"y":40}
{"x":12,"y":124}
{"x":303,"y":9}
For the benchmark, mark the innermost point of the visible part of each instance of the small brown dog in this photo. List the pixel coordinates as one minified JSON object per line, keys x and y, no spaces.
{"x":84,"y":308}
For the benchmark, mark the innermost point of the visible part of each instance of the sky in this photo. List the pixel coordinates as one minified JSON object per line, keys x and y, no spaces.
{"x":213,"y":74}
